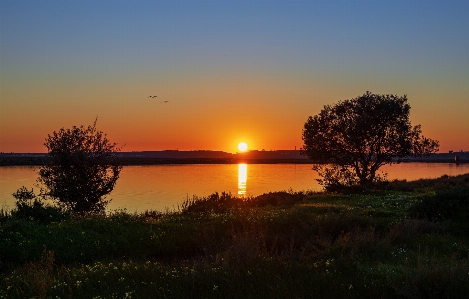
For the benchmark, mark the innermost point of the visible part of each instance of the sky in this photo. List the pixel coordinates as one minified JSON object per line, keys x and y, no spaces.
{"x":230,"y":71}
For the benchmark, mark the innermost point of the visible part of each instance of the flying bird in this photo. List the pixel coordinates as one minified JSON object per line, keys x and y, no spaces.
{"x":152,"y":96}
{"x":164,"y":101}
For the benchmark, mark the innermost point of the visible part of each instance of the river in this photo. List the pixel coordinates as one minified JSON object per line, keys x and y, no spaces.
{"x":160,"y":187}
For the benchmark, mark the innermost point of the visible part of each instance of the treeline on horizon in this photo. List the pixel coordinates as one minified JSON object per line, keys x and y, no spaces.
{"x":39,"y":160}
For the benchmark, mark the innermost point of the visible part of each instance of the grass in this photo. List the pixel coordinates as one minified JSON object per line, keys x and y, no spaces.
{"x":383,"y":244}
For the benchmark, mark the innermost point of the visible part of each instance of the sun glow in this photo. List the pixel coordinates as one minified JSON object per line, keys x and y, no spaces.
{"x":242,"y":146}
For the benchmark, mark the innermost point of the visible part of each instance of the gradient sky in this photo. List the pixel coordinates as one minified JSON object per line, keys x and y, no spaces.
{"x":231,"y":71}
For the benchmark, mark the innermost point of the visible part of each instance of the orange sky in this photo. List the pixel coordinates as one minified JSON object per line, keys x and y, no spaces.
{"x":230,"y":73}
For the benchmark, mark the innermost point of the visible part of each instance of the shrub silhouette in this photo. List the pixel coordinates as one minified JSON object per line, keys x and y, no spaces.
{"x":31,"y":207}
{"x":80,"y":169}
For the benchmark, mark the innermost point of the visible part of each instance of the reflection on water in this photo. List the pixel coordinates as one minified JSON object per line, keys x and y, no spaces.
{"x":156,"y":187}
{"x":242,"y":178}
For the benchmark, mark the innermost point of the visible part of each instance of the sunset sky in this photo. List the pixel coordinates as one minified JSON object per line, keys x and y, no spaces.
{"x":231,"y":71}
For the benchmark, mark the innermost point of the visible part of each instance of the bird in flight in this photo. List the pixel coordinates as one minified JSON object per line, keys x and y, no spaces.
{"x":165,"y":102}
{"x":152,"y":96}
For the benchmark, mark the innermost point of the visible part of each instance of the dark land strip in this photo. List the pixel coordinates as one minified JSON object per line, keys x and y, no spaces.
{"x":216,"y":157}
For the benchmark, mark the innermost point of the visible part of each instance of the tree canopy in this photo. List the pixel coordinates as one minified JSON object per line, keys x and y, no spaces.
{"x":358,"y":136}
{"x":81,"y":168}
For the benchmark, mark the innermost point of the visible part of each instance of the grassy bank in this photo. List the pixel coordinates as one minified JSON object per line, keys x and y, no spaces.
{"x":408,"y":240}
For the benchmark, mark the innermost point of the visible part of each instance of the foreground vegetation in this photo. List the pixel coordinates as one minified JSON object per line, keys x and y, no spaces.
{"x":406,"y":240}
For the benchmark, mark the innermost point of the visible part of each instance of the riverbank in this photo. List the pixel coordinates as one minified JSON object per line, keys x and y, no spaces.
{"x":408,"y":240}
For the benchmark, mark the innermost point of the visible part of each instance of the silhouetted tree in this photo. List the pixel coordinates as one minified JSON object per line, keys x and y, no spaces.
{"x":80,"y":169}
{"x":358,"y":136}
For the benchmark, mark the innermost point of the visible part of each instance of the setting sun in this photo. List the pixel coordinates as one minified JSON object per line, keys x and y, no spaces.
{"x":242,"y":146}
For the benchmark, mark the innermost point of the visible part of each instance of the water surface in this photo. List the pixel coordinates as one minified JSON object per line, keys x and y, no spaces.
{"x":165,"y":186}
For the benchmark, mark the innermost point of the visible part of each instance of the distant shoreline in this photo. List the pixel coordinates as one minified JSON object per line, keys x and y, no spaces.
{"x":271,"y":157}
{"x":39,"y":161}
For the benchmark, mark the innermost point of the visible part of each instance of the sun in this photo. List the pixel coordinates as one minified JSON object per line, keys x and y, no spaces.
{"x":242,"y":146}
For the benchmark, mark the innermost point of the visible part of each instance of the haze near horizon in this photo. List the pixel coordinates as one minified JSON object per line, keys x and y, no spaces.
{"x":208,"y":75}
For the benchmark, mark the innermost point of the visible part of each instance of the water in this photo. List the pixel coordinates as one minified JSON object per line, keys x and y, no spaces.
{"x":158,"y":187}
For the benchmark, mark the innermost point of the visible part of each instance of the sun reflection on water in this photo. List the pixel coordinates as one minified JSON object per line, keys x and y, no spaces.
{"x":242,"y":178}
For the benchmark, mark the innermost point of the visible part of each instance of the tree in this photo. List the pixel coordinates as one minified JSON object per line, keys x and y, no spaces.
{"x":81,"y":168}
{"x":356,"y":137}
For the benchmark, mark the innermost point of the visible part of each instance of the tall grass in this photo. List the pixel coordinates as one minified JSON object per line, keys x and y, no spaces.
{"x":222,"y":202}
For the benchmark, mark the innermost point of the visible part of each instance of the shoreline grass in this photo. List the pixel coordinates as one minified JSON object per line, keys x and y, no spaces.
{"x":406,"y":240}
